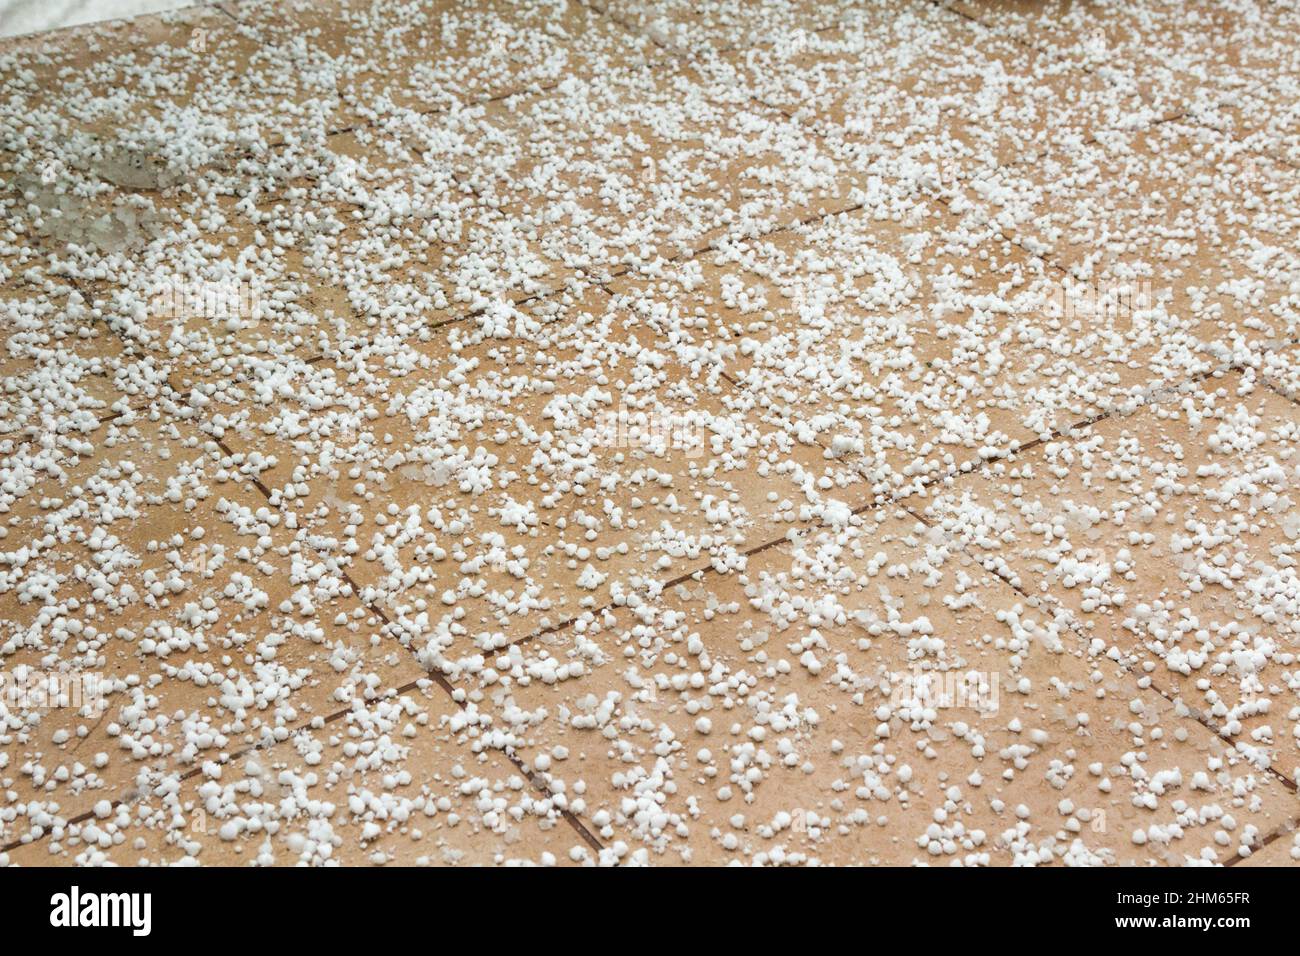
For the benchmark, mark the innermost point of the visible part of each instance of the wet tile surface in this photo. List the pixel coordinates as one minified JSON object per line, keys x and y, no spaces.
{"x":651,"y":433}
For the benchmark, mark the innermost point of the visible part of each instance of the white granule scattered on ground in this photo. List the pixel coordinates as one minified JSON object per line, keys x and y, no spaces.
{"x":765,"y":433}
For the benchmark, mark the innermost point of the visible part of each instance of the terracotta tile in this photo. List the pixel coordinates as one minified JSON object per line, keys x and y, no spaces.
{"x":645,"y":165}
{"x":452,"y":433}
{"x":1180,"y":56}
{"x":85,"y":79}
{"x":185,"y":291}
{"x":1280,"y":369}
{"x":407,"y":782}
{"x":62,"y":372}
{"x":328,"y":206}
{"x":685,"y":29}
{"x":1282,"y":851}
{"x":1207,"y":256}
{"x":301,"y":69}
{"x":479,"y":452}
{"x":375,"y":61}
{"x":933,"y":90}
{"x":181,"y":603}
{"x":1264,"y":116}
{"x":909,"y":344}
{"x":217,"y":318}
{"x":225,"y":268}
{"x":1170,"y":541}
{"x":747,"y":718}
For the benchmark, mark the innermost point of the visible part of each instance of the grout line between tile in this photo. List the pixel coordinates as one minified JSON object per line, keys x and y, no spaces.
{"x":1187,"y":115}
{"x":196,"y":771}
{"x":1195,"y":713}
{"x":535,"y":780}
{"x":898,"y":498}
{"x":1283,"y":830}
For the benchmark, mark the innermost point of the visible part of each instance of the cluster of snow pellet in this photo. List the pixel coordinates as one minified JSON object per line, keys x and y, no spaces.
{"x":575,"y":358}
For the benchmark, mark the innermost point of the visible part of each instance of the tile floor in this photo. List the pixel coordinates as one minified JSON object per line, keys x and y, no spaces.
{"x":652,"y":432}
{"x":18,"y":17}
